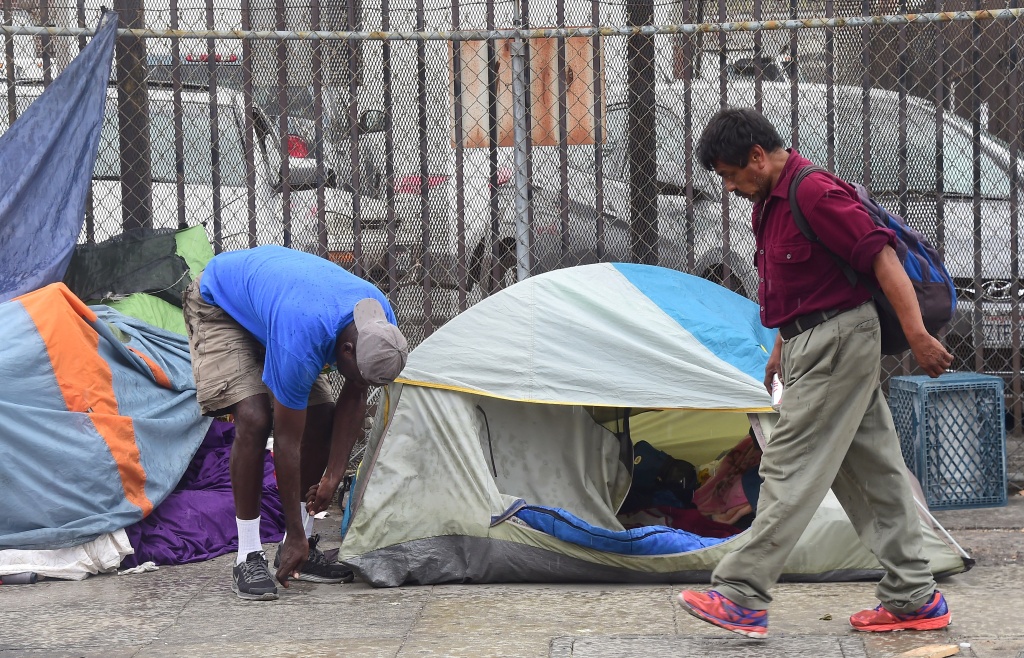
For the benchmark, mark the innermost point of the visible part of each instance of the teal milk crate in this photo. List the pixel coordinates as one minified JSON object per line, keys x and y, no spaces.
{"x":952,"y":433}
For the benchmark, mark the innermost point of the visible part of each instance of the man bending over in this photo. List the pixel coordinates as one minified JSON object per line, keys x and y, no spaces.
{"x":264,"y":326}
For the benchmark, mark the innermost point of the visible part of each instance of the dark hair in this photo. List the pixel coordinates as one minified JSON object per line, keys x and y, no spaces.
{"x":730,"y":135}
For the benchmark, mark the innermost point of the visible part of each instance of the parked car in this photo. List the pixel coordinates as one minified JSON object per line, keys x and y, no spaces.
{"x":298,"y":104}
{"x":412,"y":197}
{"x":201,"y":201}
{"x":909,"y":184}
{"x":712,"y":255}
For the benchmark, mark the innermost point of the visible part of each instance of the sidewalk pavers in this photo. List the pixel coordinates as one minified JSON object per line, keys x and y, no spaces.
{"x":190,"y":610}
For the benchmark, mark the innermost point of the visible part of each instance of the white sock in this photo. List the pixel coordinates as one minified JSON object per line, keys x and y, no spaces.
{"x":248,"y":538}
{"x":307,"y":524}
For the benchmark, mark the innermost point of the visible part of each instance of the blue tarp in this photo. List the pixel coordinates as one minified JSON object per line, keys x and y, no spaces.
{"x":99,"y":419}
{"x":46,"y":165}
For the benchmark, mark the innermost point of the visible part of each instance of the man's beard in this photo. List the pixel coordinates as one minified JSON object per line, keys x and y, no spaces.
{"x":763,"y":189}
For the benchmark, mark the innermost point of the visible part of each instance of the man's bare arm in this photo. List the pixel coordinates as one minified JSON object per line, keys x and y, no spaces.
{"x":288,"y":427}
{"x":928,"y":351}
{"x":349,"y":412}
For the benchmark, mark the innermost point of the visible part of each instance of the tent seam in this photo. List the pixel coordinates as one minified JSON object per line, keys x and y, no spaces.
{"x":570,"y":403}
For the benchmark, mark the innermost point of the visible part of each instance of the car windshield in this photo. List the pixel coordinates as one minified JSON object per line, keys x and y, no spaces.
{"x":197,"y":149}
{"x":670,"y":145}
{"x":299,"y":101}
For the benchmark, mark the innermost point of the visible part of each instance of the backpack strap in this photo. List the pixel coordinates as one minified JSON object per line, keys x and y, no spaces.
{"x":805,"y":228}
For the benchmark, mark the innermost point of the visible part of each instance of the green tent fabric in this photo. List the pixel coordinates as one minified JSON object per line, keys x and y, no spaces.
{"x":522,"y":397}
{"x":194,"y":247}
{"x":153,"y":310}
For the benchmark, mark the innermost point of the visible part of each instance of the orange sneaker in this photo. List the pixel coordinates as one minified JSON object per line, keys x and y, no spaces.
{"x":720,"y":611}
{"x":929,"y":617}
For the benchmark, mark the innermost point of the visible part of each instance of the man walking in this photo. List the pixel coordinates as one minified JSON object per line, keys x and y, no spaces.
{"x":834,"y":428}
{"x":264,"y":325}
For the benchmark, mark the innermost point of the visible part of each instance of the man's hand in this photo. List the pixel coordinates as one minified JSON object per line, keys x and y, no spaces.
{"x":347,"y":427}
{"x":293,"y":555}
{"x":319,"y":496}
{"x":774,"y":365}
{"x":930,"y":354}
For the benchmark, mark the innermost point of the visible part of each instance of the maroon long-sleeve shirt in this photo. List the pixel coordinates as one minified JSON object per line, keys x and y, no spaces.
{"x":796,"y":276}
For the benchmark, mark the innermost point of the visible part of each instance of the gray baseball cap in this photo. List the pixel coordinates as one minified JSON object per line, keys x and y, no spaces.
{"x":381,"y":349}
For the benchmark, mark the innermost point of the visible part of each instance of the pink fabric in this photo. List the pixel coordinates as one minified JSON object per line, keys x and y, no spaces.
{"x":723,"y":492}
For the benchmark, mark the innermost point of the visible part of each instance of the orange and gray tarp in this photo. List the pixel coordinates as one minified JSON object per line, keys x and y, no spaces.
{"x":98,"y":419}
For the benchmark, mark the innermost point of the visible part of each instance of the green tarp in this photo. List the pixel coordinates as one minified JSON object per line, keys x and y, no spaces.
{"x":156,"y":262}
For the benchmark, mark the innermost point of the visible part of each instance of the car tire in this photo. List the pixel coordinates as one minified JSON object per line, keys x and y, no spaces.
{"x":482,"y":263}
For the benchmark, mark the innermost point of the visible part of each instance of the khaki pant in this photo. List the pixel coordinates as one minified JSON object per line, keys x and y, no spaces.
{"x":227,"y":361}
{"x":834,"y":430}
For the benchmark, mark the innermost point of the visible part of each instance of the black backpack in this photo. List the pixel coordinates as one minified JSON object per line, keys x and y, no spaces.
{"x":659,"y":479}
{"x":932,"y":283}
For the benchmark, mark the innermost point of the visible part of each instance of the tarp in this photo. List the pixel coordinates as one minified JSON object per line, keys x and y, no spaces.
{"x":142,"y":274}
{"x":524,"y":397}
{"x":197,"y":521}
{"x":46,"y":165}
{"x":158,"y":262}
{"x":153,"y":310}
{"x":101,"y":555}
{"x":99,"y":420}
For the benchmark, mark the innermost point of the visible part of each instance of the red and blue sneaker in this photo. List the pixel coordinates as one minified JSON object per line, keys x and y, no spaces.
{"x":720,"y":611}
{"x":931,"y":616}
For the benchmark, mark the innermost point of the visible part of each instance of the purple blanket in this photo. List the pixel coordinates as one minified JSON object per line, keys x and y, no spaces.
{"x":197,"y":521}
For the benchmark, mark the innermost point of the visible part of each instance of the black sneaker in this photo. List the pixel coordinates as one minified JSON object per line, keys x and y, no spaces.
{"x":317,"y":568}
{"x":251,"y":579}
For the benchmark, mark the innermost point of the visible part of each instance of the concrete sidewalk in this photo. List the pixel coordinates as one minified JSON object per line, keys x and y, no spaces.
{"x":190,"y":610}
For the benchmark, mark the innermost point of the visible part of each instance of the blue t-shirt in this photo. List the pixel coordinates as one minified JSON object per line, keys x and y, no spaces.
{"x":295,"y":304}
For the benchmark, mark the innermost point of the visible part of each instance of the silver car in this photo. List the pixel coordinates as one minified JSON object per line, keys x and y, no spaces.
{"x":906,"y":184}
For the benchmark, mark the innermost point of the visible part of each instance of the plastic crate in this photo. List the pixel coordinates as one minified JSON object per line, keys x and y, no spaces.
{"x":953,"y":436}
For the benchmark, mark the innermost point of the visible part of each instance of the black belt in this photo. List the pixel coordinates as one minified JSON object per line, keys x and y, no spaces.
{"x":805,"y":322}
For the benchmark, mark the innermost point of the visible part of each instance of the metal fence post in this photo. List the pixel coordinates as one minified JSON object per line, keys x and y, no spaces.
{"x":643,"y":200}
{"x":523,"y":237}
{"x":133,"y":121}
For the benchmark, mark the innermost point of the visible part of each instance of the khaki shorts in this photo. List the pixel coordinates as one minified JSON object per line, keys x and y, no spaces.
{"x":227,"y":361}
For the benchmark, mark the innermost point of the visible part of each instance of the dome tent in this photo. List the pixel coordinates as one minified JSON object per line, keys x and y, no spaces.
{"x":525,"y":396}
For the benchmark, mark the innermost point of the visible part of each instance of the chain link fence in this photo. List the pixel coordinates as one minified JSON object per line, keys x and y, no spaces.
{"x":430,"y":149}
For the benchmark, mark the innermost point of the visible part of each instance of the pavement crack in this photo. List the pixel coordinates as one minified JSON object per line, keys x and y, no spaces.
{"x":416,"y":621}
{"x":675,"y":608}
{"x":173,"y":622}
